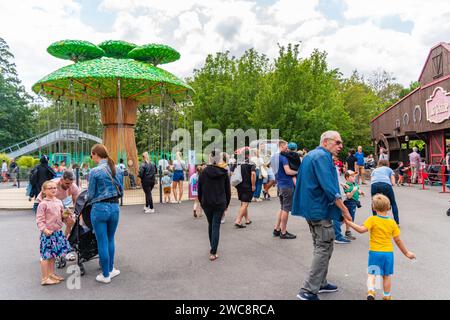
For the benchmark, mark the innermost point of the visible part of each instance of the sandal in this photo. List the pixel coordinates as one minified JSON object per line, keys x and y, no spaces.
{"x":195,"y":214}
{"x":239,"y":226}
{"x":248,"y":222}
{"x":56,"y":277}
{"x":213,"y":257}
{"x":49,"y":281}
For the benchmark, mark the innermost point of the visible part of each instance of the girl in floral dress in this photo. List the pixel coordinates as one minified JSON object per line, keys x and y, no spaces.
{"x":53,"y":243}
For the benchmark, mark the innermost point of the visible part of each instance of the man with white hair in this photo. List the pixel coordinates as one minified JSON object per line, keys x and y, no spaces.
{"x":414,"y":161}
{"x":318,"y":199}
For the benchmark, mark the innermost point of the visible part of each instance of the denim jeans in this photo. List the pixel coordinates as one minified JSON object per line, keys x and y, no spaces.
{"x":386,"y":189}
{"x":105,"y":218}
{"x":337,"y":228}
{"x":351,"y":206}
{"x":213,"y":216}
{"x":258,"y":185}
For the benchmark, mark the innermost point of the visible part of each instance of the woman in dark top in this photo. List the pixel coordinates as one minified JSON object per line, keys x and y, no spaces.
{"x":350,"y":161}
{"x":245,"y":190}
{"x":214,"y":195}
{"x":147,"y":173}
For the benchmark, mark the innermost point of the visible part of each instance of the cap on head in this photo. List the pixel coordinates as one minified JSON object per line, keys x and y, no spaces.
{"x":292,"y":146}
{"x":349,"y":173}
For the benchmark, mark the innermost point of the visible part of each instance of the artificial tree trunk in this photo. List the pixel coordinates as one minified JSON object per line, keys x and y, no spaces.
{"x":118,"y":130}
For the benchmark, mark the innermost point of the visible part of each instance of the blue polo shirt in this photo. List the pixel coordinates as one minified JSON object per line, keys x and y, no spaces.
{"x":278,"y":162}
{"x":317,"y":187}
{"x":359,"y":158}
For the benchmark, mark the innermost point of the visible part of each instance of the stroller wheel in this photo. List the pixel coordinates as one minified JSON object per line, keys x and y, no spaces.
{"x":61,"y":263}
{"x":82,"y":270}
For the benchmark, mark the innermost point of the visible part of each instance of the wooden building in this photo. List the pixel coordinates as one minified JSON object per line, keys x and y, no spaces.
{"x":424,"y":114}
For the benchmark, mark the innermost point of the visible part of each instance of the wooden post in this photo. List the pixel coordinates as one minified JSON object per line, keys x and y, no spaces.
{"x":120,"y":136}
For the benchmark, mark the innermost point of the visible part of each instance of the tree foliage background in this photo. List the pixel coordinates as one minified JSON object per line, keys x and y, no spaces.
{"x":302,"y":97}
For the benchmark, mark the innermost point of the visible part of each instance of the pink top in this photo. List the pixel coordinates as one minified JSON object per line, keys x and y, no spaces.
{"x":49,"y":215}
{"x":62,"y":194}
{"x":414,"y":159}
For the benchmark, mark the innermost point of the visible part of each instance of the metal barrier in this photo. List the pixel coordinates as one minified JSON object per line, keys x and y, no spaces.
{"x":434,"y":174}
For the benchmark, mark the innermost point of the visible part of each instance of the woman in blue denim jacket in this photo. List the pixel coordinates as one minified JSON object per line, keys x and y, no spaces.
{"x":105,"y":189}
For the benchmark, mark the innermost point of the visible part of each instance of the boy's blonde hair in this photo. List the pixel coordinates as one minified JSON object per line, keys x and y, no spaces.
{"x":45,"y":185}
{"x":166,"y":172}
{"x":381,"y":203}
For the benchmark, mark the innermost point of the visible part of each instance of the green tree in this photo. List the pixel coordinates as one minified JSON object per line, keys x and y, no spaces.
{"x":16,"y":117}
{"x":362,"y":104}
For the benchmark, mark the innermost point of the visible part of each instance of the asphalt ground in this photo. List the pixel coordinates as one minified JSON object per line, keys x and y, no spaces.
{"x":165,"y":255}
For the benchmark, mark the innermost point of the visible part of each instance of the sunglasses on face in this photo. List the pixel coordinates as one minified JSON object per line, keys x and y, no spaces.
{"x":338,"y":142}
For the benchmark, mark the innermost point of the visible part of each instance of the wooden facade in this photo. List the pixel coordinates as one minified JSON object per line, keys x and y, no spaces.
{"x":408,"y":119}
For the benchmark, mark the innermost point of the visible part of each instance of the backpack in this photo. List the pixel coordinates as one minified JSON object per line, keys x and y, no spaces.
{"x":236,"y":177}
{"x":33,"y":176}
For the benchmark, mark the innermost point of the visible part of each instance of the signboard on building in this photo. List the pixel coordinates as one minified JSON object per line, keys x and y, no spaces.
{"x":438,"y":106}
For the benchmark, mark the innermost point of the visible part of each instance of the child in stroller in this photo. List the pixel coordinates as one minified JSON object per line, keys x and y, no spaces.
{"x":82,"y":238}
{"x":432,"y":174}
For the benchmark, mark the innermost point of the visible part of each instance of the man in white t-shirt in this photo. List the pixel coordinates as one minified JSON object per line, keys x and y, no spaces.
{"x":5,"y":171}
{"x":163,"y":164}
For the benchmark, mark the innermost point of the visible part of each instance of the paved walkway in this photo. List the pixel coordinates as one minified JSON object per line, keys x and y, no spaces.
{"x":165,"y":256}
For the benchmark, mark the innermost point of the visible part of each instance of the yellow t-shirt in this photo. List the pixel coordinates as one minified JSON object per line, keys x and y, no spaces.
{"x":382,"y":230}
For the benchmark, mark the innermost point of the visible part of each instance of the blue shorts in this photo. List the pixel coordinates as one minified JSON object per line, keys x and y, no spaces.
{"x":178,"y":175}
{"x":381,"y":263}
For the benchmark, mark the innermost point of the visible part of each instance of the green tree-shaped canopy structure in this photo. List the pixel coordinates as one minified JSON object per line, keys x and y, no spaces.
{"x":118,"y":76}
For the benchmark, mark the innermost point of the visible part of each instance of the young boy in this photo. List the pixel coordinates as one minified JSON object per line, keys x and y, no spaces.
{"x":381,"y":255}
{"x":401,"y":173}
{"x":293,"y":158}
{"x":166,"y":183}
{"x":352,"y":193}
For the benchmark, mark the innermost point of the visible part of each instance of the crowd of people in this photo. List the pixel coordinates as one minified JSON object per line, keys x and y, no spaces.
{"x":307,"y":185}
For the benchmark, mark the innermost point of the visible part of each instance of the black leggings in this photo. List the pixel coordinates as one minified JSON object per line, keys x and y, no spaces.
{"x":148,"y":187}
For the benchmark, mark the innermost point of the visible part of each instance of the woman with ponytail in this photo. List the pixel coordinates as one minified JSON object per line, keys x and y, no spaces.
{"x":105,"y":189}
{"x":179,"y":166}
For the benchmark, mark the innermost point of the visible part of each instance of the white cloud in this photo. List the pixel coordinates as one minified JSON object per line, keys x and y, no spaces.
{"x":196,"y":28}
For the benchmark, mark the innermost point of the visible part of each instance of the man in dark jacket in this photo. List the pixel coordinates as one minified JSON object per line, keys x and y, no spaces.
{"x":41,"y":173}
{"x":214,"y":195}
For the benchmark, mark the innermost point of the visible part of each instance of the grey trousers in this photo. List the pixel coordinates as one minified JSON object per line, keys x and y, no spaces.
{"x":323,"y":239}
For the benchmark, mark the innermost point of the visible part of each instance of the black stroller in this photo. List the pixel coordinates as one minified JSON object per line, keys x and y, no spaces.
{"x":81,"y":238}
{"x":433,"y":174}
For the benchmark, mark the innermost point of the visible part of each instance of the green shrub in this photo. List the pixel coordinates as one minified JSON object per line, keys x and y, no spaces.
{"x":3,"y":156}
{"x":26,"y":162}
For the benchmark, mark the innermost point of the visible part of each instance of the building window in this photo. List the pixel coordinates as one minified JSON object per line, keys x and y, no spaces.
{"x":438,"y":66}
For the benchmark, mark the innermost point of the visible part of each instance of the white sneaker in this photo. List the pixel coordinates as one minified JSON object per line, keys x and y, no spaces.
{"x":145,"y":209}
{"x":114,"y":273}
{"x":151,"y":210}
{"x":179,"y":201}
{"x":101,"y":278}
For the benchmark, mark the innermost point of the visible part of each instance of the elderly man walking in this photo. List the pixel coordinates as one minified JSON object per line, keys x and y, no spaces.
{"x":317,"y":198}
{"x":414,"y":161}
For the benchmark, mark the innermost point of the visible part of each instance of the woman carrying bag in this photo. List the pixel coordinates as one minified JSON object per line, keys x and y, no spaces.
{"x":214,"y":194}
{"x":104,"y":191}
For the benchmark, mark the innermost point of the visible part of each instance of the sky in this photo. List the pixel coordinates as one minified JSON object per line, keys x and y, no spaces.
{"x":366,"y":35}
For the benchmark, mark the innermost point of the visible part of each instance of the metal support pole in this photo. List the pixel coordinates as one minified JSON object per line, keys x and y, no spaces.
{"x":77,"y":174}
{"x":18,"y":177}
{"x":160,"y":186}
